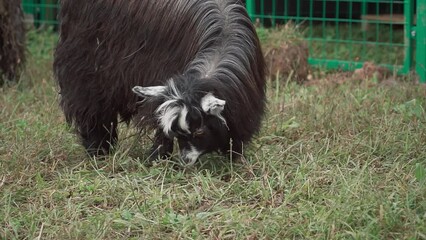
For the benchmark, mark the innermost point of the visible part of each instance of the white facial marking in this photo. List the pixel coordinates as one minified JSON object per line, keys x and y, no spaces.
{"x":182,"y":120}
{"x":167,"y":117}
{"x":175,"y":92}
{"x":192,"y":155}
{"x":149,"y":91}
{"x":212,"y":105}
{"x":164,"y":106}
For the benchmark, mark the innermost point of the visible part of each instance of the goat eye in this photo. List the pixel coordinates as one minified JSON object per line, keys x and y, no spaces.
{"x":198,"y":132}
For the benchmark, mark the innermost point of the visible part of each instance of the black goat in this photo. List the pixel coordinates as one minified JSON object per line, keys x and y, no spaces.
{"x":196,"y":67}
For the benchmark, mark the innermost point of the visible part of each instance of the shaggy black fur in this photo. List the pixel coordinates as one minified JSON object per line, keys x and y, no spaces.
{"x":108,"y":47}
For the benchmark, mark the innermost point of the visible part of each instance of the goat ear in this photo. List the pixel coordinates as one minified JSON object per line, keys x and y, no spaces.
{"x":212,"y":105}
{"x":154,"y":91}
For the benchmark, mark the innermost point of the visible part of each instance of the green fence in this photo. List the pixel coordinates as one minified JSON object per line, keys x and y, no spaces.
{"x":340,"y":33}
{"x":41,"y":12}
{"x":421,"y":40}
{"x":346,"y":33}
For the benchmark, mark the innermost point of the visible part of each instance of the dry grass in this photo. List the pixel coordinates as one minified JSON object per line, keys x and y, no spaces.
{"x":286,"y":53}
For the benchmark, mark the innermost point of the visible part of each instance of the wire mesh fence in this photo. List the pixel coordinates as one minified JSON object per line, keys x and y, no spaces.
{"x":340,"y":33}
{"x":41,"y":13}
{"x":345,"y":33}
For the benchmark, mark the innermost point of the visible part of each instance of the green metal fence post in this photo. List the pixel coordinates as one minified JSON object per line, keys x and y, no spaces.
{"x":421,"y":41}
{"x":251,"y":8}
{"x":408,"y":15}
{"x":27,"y":5}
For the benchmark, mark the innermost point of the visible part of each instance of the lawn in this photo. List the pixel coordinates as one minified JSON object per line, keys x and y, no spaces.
{"x":332,"y":161}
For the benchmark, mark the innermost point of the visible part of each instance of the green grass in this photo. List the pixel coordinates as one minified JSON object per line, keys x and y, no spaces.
{"x":331,"y":162}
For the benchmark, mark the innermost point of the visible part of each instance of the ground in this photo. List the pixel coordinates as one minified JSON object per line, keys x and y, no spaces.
{"x":334,"y":159}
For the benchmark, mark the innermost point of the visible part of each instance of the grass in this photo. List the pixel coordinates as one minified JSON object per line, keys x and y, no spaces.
{"x":331,"y":162}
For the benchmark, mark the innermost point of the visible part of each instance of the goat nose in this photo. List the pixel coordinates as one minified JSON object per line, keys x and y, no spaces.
{"x":190,"y":156}
{"x":187,"y":162}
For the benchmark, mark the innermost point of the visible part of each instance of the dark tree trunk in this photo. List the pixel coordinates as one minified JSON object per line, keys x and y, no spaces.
{"x":12,"y":40}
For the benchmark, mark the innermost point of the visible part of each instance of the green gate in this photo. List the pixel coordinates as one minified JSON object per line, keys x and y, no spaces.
{"x":41,"y":12}
{"x":340,"y":33}
{"x":421,"y":40}
{"x":346,"y":33}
